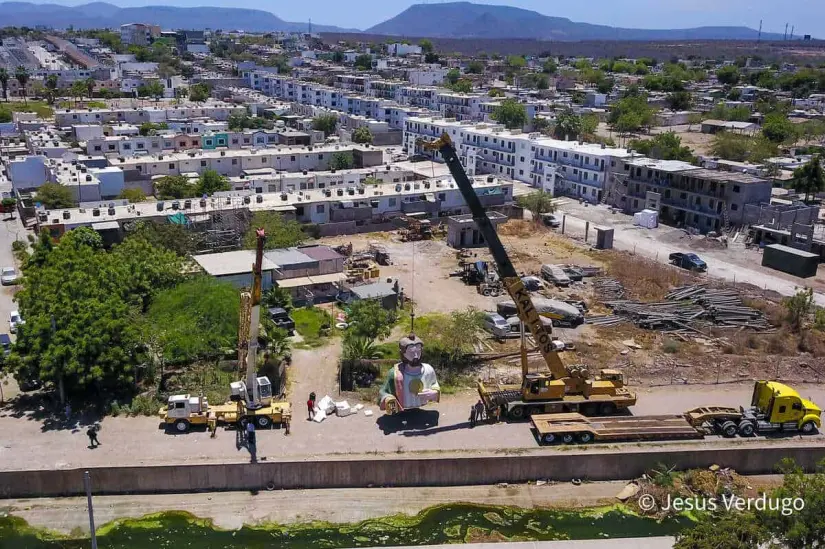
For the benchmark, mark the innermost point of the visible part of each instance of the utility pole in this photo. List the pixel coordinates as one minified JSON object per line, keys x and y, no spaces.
{"x":792,"y":28}
{"x":759,"y":36}
{"x":87,"y":481}
{"x":786,"y":32}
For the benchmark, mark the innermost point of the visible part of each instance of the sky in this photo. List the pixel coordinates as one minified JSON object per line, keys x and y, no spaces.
{"x":808,"y":16}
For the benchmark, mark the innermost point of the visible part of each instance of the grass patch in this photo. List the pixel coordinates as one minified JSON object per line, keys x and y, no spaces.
{"x":387,"y":350}
{"x":210,"y":379}
{"x":43,"y":109}
{"x":671,"y":346}
{"x":309,"y":322}
{"x":645,"y":279}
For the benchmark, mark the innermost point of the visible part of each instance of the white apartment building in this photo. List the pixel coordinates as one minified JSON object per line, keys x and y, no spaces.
{"x":559,"y":167}
{"x":216,"y":110}
{"x":233,"y":163}
{"x":138,"y":34}
{"x":400,"y":50}
{"x":428,"y":75}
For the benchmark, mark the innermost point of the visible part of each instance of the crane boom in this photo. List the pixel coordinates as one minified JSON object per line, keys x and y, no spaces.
{"x":253,"y":392}
{"x":527,"y":312}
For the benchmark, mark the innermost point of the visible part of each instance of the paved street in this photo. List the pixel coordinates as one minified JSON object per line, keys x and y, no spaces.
{"x":34,"y":441}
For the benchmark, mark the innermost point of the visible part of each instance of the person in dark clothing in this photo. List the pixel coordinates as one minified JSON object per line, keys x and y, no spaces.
{"x":472,"y":416}
{"x":479,"y":410}
{"x":250,"y":433}
{"x":91,"y":432}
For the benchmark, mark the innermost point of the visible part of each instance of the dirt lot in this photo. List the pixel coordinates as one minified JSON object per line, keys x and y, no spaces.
{"x":691,"y":136}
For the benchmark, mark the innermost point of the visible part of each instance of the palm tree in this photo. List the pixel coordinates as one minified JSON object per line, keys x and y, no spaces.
{"x":810,"y":177}
{"x":22,"y":76}
{"x":90,"y":87}
{"x":51,"y":88}
{"x":360,"y":348}
{"x":4,"y":82}
{"x":77,"y":90}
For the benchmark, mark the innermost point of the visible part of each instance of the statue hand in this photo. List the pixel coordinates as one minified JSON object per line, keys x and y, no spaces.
{"x":390,"y":405}
{"x":429,"y":395}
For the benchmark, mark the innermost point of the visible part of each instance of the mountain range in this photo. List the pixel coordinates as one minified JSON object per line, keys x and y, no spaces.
{"x":447,"y":20}
{"x":103,"y":15}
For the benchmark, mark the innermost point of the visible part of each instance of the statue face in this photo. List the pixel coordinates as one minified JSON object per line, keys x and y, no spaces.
{"x":412,"y":354}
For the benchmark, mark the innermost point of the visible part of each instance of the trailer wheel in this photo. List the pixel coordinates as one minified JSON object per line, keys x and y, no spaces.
{"x":746,"y":429}
{"x":517,"y":413}
{"x":567,"y":438}
{"x":728,"y":429}
{"x":607,"y":409}
{"x":549,"y":438}
{"x":485,"y":292}
{"x":181,"y":426}
{"x":263,"y":422}
{"x":808,"y":428}
{"x":585,"y":438}
{"x":589,"y":409}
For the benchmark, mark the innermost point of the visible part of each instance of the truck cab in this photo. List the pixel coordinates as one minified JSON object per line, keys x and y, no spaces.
{"x":183,"y":410}
{"x":775,"y":406}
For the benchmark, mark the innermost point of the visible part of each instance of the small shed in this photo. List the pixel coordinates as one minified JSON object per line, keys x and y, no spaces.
{"x":385,"y":292}
{"x":790,"y":260}
{"x":462,"y":231}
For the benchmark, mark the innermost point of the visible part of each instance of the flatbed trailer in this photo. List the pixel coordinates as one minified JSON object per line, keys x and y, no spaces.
{"x":508,"y":401}
{"x":570,"y":428}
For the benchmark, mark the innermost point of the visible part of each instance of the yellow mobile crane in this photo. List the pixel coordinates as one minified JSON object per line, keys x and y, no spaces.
{"x":566,"y":388}
{"x":250,"y":399}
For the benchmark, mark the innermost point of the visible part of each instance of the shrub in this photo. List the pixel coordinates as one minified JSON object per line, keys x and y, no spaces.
{"x":671,"y":346}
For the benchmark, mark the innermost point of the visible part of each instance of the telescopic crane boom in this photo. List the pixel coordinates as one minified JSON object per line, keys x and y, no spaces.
{"x":527,"y":312}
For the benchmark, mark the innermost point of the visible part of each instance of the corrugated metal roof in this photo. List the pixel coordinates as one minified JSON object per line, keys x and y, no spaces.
{"x":229,"y":263}
{"x":287,"y":257}
{"x":321,"y":253}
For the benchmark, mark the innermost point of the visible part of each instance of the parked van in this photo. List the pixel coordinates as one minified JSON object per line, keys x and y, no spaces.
{"x":555,"y":275}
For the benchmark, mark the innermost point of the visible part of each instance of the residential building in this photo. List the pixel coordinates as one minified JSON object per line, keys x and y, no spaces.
{"x":215,"y":110}
{"x":138,"y":34}
{"x":400,"y":50}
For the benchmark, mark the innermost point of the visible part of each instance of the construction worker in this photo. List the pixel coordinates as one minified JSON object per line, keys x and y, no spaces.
{"x":250,"y":432}
{"x":91,"y":432}
{"x":311,"y":405}
{"x":479,"y":410}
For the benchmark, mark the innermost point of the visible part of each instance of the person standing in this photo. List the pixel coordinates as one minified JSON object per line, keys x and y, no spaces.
{"x":311,"y":406}
{"x":479,"y":410}
{"x":472,"y":416}
{"x":250,"y":432}
{"x":91,"y":432}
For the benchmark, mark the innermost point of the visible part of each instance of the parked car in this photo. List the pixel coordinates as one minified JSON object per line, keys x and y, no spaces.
{"x":282,"y":319}
{"x":15,"y":320}
{"x":5,"y":341}
{"x":550,"y":220}
{"x":573,"y":273}
{"x":9,"y":276}
{"x":691,"y":262}
{"x":532,"y":283}
{"x":555,"y":275}
{"x":496,"y":324}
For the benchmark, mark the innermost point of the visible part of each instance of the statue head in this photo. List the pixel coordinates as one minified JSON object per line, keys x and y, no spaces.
{"x":411,"y":349}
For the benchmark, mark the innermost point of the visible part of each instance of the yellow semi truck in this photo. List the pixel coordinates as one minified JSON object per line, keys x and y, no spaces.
{"x":775,"y":407}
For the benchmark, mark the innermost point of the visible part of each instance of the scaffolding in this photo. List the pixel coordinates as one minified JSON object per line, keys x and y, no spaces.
{"x":221,"y":228}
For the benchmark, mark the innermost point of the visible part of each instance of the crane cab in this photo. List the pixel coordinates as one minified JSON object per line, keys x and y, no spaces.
{"x":616,"y":377}
{"x":542,"y":387}
{"x":239,"y":392}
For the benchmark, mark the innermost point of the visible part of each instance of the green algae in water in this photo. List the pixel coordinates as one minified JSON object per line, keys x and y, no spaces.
{"x":434,"y":525}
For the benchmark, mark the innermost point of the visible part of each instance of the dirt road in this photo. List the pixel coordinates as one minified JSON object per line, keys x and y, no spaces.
{"x":28,"y":443}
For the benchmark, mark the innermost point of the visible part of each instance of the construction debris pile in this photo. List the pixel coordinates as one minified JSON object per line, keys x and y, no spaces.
{"x":685,"y":309}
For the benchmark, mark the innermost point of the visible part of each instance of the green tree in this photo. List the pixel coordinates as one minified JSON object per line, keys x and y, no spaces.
{"x":810,"y":178}
{"x":362,"y":134}
{"x":452,"y":76}
{"x":359,"y":348}
{"x":199,"y":92}
{"x":728,"y":75}
{"x":495,"y":92}
{"x":680,"y":101}
{"x":367,"y":319}
{"x":568,"y":125}
{"x":280,"y":232}
{"x":516,"y":62}
{"x":77,"y":89}
{"x":426,"y":46}
{"x":174,"y":186}
{"x":54,"y":196}
{"x":151,"y":128}
{"x":511,"y":113}
{"x":90,"y":86}
{"x":631,"y":113}
{"x":325,"y":123}
{"x":4,"y":82}
{"x":5,"y":114}
{"x":21,"y":74}
{"x":805,"y":528}
{"x":475,"y":67}
{"x":777,"y":128}
{"x":132,"y":195}
{"x":537,"y":203}
{"x":168,"y":236}
{"x":723,"y":531}
{"x":590,"y":123}
{"x":665,"y":146}
{"x":155,"y":89}
{"x":196,"y":319}
{"x":144,"y":269}
{"x":341,"y":161}
{"x":51,"y":88}
{"x":462,"y":86}
{"x":211,"y":182}
{"x":449,"y":339}
{"x":277,"y":297}
{"x":799,"y":307}
{"x":549,"y":67}
{"x":431,"y":57}
{"x":364,"y":62}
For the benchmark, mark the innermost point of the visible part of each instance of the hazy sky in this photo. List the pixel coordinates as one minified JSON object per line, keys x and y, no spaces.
{"x":807,"y":15}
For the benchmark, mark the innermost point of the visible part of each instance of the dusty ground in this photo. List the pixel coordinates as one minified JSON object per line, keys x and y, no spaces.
{"x":690,"y":135}
{"x":31,"y":441}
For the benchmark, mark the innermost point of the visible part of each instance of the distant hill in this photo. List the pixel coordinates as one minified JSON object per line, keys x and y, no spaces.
{"x":468,"y":20}
{"x":101,"y":15}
